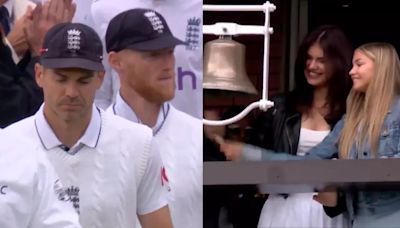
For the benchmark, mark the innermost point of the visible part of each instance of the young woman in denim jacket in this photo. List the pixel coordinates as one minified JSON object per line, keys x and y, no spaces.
{"x":370,"y":129}
{"x":303,"y":118}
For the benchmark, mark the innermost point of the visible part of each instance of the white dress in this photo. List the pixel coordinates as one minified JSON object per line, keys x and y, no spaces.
{"x":299,"y":210}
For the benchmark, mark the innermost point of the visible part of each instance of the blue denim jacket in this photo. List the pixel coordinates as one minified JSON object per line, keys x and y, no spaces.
{"x":359,"y":203}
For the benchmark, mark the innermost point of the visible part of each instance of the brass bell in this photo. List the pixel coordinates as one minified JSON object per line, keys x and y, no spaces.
{"x":224,"y":67}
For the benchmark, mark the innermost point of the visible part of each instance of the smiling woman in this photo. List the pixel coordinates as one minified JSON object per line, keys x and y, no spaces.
{"x":369,"y":130}
{"x":317,"y":70}
{"x":302,"y":119}
{"x":362,"y":71}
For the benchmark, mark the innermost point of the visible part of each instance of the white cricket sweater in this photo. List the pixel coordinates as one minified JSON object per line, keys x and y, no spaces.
{"x":179,"y":140}
{"x":103,"y":180}
{"x":30,"y":189}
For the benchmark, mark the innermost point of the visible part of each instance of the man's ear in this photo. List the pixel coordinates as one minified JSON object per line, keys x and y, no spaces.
{"x":39,"y":74}
{"x":100,"y":77}
{"x":114,"y":59}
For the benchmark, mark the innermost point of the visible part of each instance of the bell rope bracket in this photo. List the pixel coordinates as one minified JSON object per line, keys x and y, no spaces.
{"x":261,"y":104}
{"x":232,"y":29}
{"x":266,"y":7}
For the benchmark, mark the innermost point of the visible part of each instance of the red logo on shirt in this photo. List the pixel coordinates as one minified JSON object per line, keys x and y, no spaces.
{"x":164,"y":178}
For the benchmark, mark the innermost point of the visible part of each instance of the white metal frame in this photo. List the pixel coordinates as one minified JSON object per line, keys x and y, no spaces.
{"x":231,"y":29}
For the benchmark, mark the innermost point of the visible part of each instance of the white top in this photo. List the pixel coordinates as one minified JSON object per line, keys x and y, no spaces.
{"x":30,"y":191}
{"x":185,"y":21}
{"x":299,"y":210}
{"x":113,"y":175}
{"x":180,"y":143}
{"x":308,"y":139}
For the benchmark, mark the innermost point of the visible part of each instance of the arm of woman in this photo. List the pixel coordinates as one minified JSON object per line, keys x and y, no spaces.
{"x":324,"y":150}
{"x":334,"y":202}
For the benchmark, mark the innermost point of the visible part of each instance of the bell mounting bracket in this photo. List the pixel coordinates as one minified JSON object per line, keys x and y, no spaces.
{"x":233,"y":29}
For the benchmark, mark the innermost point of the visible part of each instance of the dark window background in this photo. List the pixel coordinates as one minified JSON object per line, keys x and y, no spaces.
{"x":363,"y":21}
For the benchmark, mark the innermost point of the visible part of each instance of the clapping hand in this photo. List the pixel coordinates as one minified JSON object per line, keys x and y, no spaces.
{"x":43,"y":18}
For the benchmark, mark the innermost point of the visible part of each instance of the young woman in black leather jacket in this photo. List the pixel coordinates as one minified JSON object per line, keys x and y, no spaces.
{"x":303,"y":117}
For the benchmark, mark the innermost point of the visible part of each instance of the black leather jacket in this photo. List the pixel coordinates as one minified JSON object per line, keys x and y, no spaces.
{"x":278,"y":129}
{"x":20,"y":96}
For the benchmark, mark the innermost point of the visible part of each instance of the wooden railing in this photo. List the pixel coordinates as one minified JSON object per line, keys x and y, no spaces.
{"x":307,"y":175}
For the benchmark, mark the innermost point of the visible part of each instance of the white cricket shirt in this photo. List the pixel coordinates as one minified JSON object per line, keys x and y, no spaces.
{"x":31,"y":194}
{"x":179,"y":139}
{"x":112,"y":172}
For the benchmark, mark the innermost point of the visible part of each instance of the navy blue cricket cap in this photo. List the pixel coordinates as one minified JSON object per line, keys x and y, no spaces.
{"x":139,"y":29}
{"x":72,"y":45}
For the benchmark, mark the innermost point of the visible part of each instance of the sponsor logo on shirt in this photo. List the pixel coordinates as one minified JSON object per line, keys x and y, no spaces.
{"x":188,"y":76}
{"x":164,"y":179}
{"x":3,"y":189}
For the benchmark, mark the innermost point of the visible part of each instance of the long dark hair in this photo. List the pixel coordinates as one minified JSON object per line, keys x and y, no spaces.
{"x":338,"y":53}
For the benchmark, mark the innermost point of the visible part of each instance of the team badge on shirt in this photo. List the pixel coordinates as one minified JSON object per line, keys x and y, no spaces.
{"x":70,"y":194}
{"x":60,"y":191}
{"x":193,"y":33}
{"x":73,"y":193}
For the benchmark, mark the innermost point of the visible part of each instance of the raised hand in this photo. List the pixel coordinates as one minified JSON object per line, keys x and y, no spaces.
{"x":17,"y":37}
{"x":232,"y":150}
{"x":328,"y":197}
{"x":45,"y":17}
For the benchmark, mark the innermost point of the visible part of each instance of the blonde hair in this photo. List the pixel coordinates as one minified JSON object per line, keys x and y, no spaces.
{"x":367,"y":111}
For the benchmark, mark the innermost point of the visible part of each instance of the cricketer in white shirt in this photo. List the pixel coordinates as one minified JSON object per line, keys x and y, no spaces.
{"x":179,"y":137}
{"x":107,"y":164}
{"x":109,"y":174}
{"x":140,"y":46}
{"x":185,"y":21}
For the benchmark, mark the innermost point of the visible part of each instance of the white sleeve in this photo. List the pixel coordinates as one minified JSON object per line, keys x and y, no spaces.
{"x":102,"y":12}
{"x":151,"y":194}
{"x":51,"y":209}
{"x":83,"y":12}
